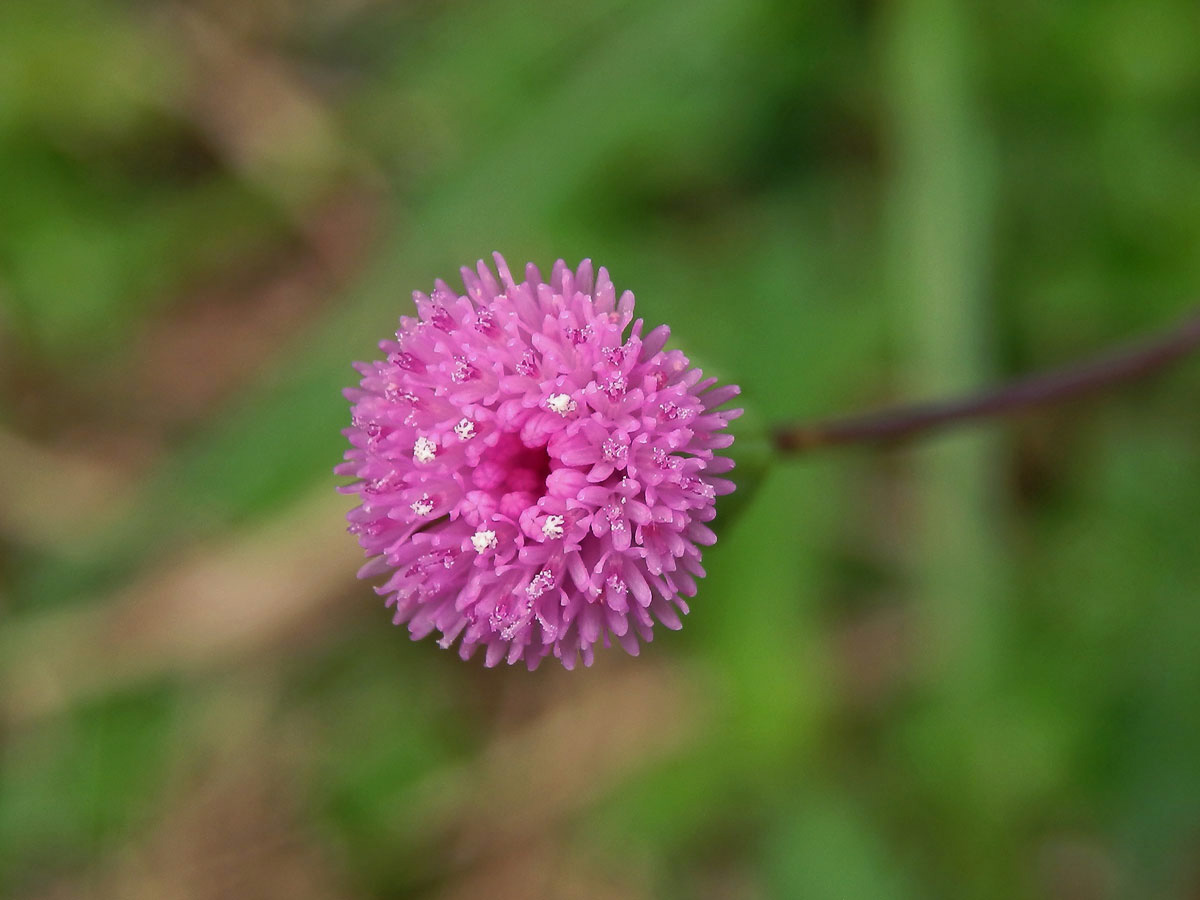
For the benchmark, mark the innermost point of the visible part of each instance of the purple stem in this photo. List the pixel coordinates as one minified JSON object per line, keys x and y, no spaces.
{"x":1116,"y":366}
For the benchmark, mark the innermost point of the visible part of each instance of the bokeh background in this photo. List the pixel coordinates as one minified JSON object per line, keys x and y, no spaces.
{"x":965,"y":668}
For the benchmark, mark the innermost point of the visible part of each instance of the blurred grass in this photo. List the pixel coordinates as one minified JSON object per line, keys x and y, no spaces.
{"x":964,"y":669}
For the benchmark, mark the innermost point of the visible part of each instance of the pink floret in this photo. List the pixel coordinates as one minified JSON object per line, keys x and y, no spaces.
{"x":535,"y":475}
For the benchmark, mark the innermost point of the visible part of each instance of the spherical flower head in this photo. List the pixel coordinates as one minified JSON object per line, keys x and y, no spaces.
{"x":535,"y":474}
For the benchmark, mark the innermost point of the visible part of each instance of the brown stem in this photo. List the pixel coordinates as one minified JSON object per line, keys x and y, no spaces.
{"x":1124,"y":363}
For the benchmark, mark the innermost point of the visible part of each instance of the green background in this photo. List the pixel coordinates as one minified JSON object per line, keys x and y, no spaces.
{"x":965,"y":668}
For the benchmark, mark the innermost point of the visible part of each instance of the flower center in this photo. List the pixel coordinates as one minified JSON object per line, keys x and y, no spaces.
{"x":510,"y":466}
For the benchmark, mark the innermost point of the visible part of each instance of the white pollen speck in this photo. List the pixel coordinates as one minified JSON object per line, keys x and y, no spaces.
{"x":483,"y":541}
{"x":465,"y":429}
{"x":422,"y":507}
{"x":542,"y":582}
{"x":560,"y":403}
{"x":424,"y":450}
{"x":553,"y":528}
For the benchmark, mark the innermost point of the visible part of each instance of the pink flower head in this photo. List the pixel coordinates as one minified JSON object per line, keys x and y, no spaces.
{"x":535,"y":473}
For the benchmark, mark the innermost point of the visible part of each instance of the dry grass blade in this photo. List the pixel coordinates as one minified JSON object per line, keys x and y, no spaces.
{"x":525,"y":783}
{"x":260,"y":117}
{"x":60,"y":495}
{"x":208,"y":605}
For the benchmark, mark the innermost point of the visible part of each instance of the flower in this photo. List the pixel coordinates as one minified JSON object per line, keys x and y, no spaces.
{"x":535,"y":474}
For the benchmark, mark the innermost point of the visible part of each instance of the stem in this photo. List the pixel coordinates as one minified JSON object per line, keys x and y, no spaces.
{"x":1122,"y":364}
